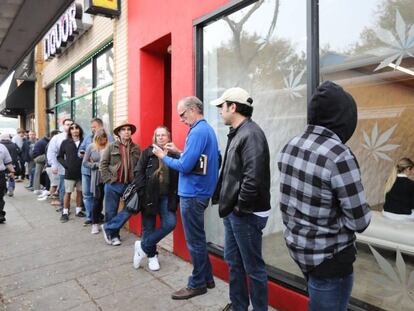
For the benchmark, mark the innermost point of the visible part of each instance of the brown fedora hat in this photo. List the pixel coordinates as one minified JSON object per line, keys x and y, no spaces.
{"x":122,"y":124}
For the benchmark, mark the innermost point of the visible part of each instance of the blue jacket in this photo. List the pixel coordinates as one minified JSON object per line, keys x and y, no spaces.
{"x":40,"y":147}
{"x":201,"y":139}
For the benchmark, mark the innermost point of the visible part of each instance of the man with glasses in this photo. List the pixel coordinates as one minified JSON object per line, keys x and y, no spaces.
{"x":195,"y":188}
{"x":52,"y":153}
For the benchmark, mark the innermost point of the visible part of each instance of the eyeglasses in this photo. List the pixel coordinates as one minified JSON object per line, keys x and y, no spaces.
{"x":74,"y":127}
{"x":181,"y":115}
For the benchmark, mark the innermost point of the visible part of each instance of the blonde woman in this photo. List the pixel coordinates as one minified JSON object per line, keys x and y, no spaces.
{"x":91,"y":161}
{"x":399,"y":192}
{"x":157,"y":185}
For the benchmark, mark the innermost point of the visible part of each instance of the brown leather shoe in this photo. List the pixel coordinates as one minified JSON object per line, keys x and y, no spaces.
{"x":187,"y":293}
{"x":211,"y":285}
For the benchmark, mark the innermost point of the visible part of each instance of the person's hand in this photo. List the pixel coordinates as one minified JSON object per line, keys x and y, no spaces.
{"x":171,"y":147}
{"x":54,"y":170}
{"x":158,"y":152}
{"x":11,"y":174}
{"x":81,"y":153}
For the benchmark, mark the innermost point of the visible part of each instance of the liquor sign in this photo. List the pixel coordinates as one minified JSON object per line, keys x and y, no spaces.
{"x":73,"y":23}
{"x":108,"y":8}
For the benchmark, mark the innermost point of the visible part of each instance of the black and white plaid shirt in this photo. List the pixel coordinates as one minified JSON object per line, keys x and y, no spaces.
{"x":322,"y":198}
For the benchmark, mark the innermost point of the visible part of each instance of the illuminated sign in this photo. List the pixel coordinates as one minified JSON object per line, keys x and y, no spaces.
{"x":107,"y":8}
{"x":71,"y":24}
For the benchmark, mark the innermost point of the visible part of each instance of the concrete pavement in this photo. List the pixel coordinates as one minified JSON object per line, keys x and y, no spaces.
{"x":46,"y":265}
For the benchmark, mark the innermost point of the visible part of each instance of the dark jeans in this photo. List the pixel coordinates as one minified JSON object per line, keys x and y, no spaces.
{"x":61,"y":190}
{"x":97,"y":205}
{"x":192,"y":214}
{"x":114,"y":221}
{"x":329,"y":294}
{"x":2,"y":192}
{"x":152,"y":236}
{"x":243,"y":254}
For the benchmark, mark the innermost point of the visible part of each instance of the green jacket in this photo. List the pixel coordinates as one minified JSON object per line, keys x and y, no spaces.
{"x":111,"y":161}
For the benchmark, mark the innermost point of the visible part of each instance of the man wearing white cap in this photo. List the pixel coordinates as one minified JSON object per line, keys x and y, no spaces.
{"x":243,"y":195}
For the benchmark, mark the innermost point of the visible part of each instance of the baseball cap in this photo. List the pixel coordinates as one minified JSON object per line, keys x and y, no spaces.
{"x":234,"y":95}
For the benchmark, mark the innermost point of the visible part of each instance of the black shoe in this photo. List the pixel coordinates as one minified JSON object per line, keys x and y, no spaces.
{"x":2,"y":219}
{"x":211,"y":285}
{"x":87,"y":222}
{"x":101,"y":218}
{"x":228,"y":307}
{"x":64,"y":218}
{"x":80,"y":214}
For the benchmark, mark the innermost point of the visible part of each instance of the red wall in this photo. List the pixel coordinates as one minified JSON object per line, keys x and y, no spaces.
{"x":152,"y":26}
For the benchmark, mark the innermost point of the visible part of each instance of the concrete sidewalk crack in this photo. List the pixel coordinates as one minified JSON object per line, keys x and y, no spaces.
{"x":89,"y":295}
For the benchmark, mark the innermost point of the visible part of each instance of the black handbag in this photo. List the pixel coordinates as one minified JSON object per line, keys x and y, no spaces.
{"x":131,"y":199}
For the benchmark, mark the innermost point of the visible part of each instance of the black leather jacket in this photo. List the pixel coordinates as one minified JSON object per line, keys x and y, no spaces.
{"x":244,"y":182}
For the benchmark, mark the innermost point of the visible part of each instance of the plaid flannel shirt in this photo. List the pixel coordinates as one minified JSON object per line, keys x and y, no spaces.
{"x":322,"y":198}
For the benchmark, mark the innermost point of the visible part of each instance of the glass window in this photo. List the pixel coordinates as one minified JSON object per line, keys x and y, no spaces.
{"x":372,"y":58}
{"x":105,"y":68}
{"x":104,"y":107}
{"x":51,"y":113}
{"x":257,"y":48}
{"x":51,"y":97}
{"x":82,"y":112}
{"x":63,"y":90}
{"x":63,"y":112}
{"x":83,"y":80}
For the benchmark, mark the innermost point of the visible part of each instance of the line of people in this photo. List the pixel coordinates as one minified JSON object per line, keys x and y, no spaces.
{"x":322,"y":197}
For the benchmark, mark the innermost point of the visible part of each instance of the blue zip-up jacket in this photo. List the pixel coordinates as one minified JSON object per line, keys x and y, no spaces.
{"x":201,"y":139}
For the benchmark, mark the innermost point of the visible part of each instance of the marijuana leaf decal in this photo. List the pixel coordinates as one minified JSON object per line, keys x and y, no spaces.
{"x":400,"y":44}
{"x":399,"y":279}
{"x":292,"y":86}
{"x":376,"y":145}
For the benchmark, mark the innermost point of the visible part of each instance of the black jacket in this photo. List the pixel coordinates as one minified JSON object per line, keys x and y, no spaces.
{"x":244,"y":182}
{"x":14,"y":151}
{"x":68,"y":157}
{"x":400,"y":199}
{"x":148,"y":185}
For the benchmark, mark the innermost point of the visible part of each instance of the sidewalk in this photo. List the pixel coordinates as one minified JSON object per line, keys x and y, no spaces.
{"x":46,"y":265}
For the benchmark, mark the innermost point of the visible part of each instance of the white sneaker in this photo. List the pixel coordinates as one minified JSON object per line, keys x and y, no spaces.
{"x":139,"y":254}
{"x":153,"y":263}
{"x":37,"y":192}
{"x":116,"y":242}
{"x":95,"y":229}
{"x":42,"y":198}
{"x":44,"y":193}
{"x":106,"y":237}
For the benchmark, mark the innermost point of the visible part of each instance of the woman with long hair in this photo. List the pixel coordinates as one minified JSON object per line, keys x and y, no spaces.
{"x":399,"y":192}
{"x":91,"y":161}
{"x":157,"y":186}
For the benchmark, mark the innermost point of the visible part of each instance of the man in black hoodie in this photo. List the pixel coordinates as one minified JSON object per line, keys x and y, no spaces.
{"x":322,"y":198}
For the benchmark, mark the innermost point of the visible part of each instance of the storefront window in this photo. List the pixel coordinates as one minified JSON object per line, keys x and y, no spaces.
{"x":89,"y":91}
{"x":104,"y":68}
{"x":63,"y":90}
{"x":51,"y":102}
{"x":372,"y":58}
{"x":257,"y":48}
{"x":63,"y":112}
{"x":104,"y":106}
{"x":83,"y":80}
{"x":82,"y":112}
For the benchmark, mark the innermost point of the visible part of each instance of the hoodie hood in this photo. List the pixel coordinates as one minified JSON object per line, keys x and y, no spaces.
{"x":334,"y":108}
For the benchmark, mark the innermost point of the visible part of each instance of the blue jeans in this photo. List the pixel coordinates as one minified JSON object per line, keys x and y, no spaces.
{"x":113,"y":193}
{"x":31,"y":177}
{"x":152,"y":236}
{"x":11,"y":184}
{"x":87,"y":195}
{"x":113,"y":226}
{"x":61,"y":189}
{"x":243,"y":254}
{"x":192,"y":214}
{"x":329,"y":294}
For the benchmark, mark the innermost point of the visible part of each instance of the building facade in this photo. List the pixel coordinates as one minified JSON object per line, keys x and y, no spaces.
{"x":280,"y":50}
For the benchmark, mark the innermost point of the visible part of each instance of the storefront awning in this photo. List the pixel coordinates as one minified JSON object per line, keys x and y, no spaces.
{"x":19,"y":100}
{"x":24,"y":23}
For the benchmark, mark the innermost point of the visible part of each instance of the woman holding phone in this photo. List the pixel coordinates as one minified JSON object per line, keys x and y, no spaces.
{"x":157,"y":187}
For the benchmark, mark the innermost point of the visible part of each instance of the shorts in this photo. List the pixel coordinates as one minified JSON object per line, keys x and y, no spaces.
{"x":71,"y":185}
{"x":54,"y":178}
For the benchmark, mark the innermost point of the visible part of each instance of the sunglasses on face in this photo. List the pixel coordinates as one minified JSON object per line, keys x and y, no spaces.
{"x":74,"y":127}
